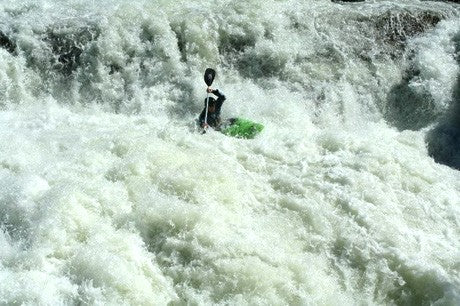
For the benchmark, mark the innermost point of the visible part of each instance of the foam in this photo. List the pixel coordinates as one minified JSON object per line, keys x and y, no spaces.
{"x":108,"y":194}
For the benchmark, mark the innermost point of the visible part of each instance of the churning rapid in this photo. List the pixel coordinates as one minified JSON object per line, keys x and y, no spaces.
{"x":110,"y":195}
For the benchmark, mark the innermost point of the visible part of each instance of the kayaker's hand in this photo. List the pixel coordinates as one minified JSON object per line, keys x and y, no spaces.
{"x":209,"y":90}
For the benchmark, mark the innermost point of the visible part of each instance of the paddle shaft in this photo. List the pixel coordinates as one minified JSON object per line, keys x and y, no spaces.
{"x":206,"y":114}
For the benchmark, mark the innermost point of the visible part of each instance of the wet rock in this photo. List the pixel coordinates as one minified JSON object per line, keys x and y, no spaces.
{"x":395,"y":28}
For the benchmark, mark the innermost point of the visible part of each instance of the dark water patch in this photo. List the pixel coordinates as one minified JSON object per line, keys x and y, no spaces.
{"x":444,"y":140}
{"x":245,"y":46}
{"x":240,"y":37}
{"x":444,"y":145}
{"x":262,"y":63}
{"x":396,"y":281}
{"x":68,"y":44}
{"x":7,"y":43}
{"x":185,"y":97}
{"x":345,"y":1}
{"x":454,"y":1}
{"x":408,"y":109}
{"x":419,"y":288}
{"x":230,"y":43}
{"x":21,"y":9}
{"x":179,"y":30}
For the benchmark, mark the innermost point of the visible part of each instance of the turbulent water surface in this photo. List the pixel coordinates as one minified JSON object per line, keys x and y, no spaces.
{"x":110,"y":195}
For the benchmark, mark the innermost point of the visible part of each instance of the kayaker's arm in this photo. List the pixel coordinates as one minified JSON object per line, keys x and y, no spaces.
{"x":220,"y":98}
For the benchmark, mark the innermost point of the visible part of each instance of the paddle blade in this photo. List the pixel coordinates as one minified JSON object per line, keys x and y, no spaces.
{"x":209,"y":76}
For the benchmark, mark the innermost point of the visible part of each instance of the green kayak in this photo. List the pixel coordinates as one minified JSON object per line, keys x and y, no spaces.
{"x":241,"y":128}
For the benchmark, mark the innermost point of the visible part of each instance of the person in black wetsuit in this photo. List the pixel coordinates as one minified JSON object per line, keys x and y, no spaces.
{"x":214,"y":106}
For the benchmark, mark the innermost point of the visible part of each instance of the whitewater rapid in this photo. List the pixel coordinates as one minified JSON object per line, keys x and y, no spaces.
{"x":110,"y":196}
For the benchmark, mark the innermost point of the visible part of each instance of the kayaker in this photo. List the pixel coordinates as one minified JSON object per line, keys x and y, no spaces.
{"x":214,"y":105}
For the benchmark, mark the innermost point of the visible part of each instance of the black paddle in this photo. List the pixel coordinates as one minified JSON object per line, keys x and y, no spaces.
{"x":209,"y":76}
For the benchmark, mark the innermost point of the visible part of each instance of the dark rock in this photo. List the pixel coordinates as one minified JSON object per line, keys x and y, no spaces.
{"x":396,"y":27}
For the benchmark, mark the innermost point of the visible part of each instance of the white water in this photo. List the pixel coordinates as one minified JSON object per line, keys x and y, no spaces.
{"x":108,"y":195}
